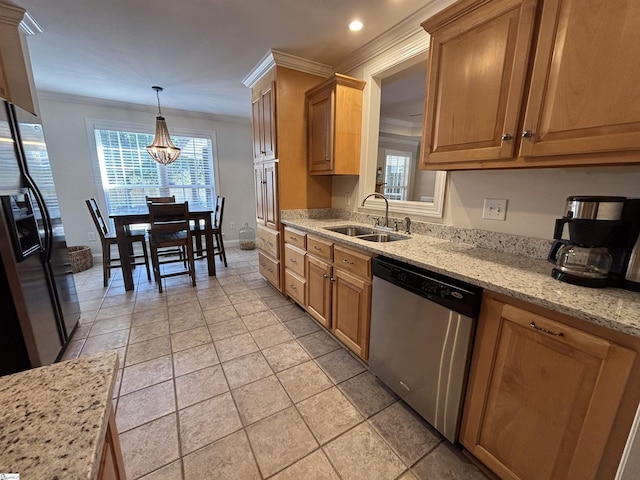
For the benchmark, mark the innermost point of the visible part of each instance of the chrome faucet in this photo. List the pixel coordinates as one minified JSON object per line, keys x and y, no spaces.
{"x":386,"y":210}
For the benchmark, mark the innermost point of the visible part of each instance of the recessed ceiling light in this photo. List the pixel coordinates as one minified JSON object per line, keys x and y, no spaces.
{"x":355,"y":25}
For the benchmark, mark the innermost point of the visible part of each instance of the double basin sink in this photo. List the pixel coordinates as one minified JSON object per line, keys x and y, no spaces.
{"x":367,"y":234}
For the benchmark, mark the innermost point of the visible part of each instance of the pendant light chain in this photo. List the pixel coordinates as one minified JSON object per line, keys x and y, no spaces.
{"x":162,"y":150}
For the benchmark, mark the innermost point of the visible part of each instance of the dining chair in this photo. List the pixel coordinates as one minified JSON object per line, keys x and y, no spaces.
{"x":107,"y":239}
{"x":181,"y":252}
{"x":216,"y":224}
{"x":170,"y":228}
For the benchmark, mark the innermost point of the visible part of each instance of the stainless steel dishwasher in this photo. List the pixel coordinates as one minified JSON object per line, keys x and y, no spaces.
{"x":422,"y":324}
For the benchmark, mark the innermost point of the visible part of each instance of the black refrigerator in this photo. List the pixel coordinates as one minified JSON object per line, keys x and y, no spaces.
{"x":39,"y":307}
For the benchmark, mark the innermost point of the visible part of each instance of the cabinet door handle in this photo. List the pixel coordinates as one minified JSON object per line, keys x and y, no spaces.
{"x":347,"y":261}
{"x":325,"y":276}
{"x":506,"y":137}
{"x":327,"y":159}
{"x":527,"y":134}
{"x":544,"y":330}
{"x":263,"y":152}
{"x":333,"y":279}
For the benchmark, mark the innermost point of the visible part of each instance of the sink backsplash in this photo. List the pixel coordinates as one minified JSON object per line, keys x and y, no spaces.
{"x":502,"y":242}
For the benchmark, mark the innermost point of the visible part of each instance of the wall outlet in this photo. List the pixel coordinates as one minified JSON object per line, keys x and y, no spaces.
{"x":91,"y":236}
{"x":494,"y":209}
{"x":232,"y":225}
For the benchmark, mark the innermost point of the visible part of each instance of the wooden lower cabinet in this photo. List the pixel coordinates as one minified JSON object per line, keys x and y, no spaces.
{"x":319,"y":290}
{"x":351,"y":313}
{"x":544,"y":397}
{"x":269,"y":269}
{"x":111,"y":463}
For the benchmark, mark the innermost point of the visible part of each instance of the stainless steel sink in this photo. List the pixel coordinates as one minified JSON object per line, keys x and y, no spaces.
{"x":367,"y":234}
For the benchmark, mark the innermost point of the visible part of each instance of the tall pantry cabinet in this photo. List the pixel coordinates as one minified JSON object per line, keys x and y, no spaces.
{"x":282,"y":181}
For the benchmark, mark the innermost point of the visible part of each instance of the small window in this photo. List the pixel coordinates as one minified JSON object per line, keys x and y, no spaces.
{"x":129,"y":174}
{"x":396,"y":178}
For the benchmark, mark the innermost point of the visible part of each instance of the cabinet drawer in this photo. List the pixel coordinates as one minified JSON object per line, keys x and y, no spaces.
{"x":269,"y":269}
{"x":295,"y":237}
{"x":294,"y":286}
{"x":268,"y":242}
{"x":320,"y":248}
{"x":294,"y":259}
{"x":352,"y":261}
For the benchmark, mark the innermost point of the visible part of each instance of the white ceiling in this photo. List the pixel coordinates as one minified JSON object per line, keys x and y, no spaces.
{"x":198,"y":50}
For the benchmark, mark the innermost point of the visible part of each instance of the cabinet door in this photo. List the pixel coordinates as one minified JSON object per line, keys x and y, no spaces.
{"x":319,"y":290}
{"x":584,"y":85}
{"x":259,"y":183}
{"x":270,"y":179}
{"x":269,"y":122}
{"x":542,"y":396}
{"x":351,"y":312}
{"x":256,"y":124}
{"x":475,"y":84}
{"x":320,"y":130}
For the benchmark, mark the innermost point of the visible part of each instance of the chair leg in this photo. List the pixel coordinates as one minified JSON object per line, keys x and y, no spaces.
{"x":106,"y":263}
{"x":192,"y":263}
{"x":156,"y":267}
{"x":146,"y":258}
{"x":221,"y":252}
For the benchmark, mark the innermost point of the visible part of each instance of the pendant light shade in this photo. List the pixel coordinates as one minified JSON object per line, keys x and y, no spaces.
{"x":162,"y":150}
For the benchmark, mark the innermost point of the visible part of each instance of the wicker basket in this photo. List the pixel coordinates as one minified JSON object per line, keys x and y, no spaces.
{"x":81,"y":258}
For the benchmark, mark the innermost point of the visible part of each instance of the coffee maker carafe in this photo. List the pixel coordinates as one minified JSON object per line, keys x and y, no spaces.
{"x":595,"y":225}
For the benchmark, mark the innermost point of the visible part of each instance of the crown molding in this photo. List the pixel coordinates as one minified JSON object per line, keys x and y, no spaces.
{"x":399,"y":123}
{"x":29,"y":25}
{"x":277,"y":58}
{"x":98,"y":102}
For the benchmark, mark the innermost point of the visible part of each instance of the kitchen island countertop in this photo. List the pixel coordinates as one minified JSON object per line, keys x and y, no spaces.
{"x":53,"y":419}
{"x":521,"y":277}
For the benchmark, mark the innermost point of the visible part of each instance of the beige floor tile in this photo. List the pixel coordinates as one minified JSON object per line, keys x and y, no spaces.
{"x":276,"y":301}
{"x":304,"y":381}
{"x":173,"y":471}
{"x":186,"y":321}
{"x":247,"y":308}
{"x":149,"y":447}
{"x":192,"y":359}
{"x":227,"y":278}
{"x":312,"y":467}
{"x":242,"y":297}
{"x":147,"y":373}
{"x":285,"y":355}
{"x":207,"y":421}
{"x":200,"y":385}
{"x":82,"y":331}
{"x":121,"y":301}
{"x":257,"y":320}
{"x":272,"y":335}
{"x":236,"y":288}
{"x":340,"y":365}
{"x":148,"y":350}
{"x":360,"y":454}
{"x":116,"y":310}
{"x":235,"y":347}
{"x":328,"y":414}
{"x":446,"y":461}
{"x":264,"y":292}
{"x":73,"y":350}
{"x":220,"y":314}
{"x":190,"y":338}
{"x":150,"y":315}
{"x":319,"y":343}
{"x":107,"y":341}
{"x":246,"y":369}
{"x":367,"y":393}
{"x":109,"y":325}
{"x":288,"y":312}
{"x":408,"y":434}
{"x":280,"y":440}
{"x":229,"y":459}
{"x":407,"y":476}
{"x":145,"y":405}
{"x":226,"y":329}
{"x":302,"y":326}
{"x":141,"y":333}
{"x":213,"y":303}
{"x":260,"y":399}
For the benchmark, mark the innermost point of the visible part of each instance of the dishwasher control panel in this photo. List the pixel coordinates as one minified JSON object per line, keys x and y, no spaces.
{"x":459,"y":296}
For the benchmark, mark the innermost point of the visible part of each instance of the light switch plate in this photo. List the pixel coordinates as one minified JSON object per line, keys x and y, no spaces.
{"x":494,"y":209}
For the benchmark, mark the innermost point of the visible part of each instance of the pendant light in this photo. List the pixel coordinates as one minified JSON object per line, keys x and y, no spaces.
{"x":162,"y":150}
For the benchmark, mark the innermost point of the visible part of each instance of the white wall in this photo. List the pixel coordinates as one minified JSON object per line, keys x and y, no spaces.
{"x":71,"y":159}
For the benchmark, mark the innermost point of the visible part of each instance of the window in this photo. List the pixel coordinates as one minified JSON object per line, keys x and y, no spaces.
{"x":396,"y":176}
{"x":129,"y":174}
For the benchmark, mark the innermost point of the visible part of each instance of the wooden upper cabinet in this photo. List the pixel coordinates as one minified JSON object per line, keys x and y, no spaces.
{"x":334,"y":124}
{"x":477,"y":69}
{"x":584,"y":95}
{"x":264,"y":124}
{"x":523,"y":83}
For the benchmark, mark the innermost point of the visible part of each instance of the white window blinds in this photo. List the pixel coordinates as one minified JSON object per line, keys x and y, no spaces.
{"x":397,"y":174}
{"x":129,"y":174}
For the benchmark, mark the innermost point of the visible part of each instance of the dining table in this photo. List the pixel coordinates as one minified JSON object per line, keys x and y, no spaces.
{"x":124,"y":218}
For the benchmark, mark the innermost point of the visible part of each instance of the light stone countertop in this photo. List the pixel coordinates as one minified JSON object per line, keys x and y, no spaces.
{"x":521,"y":277}
{"x":53,"y":419}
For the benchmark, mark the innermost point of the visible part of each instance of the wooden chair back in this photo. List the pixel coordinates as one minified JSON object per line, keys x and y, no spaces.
{"x":97,"y":217}
{"x":217,"y":216}
{"x":169,"y":223}
{"x":169,"y":199}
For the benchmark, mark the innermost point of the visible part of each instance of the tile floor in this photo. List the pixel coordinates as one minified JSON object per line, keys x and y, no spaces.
{"x":230,"y":380}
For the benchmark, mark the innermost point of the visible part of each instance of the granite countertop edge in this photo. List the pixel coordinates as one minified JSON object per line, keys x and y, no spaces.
{"x":524,"y":278}
{"x":54,"y":418}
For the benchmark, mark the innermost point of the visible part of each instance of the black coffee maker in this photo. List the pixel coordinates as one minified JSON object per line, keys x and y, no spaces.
{"x":596,"y":252}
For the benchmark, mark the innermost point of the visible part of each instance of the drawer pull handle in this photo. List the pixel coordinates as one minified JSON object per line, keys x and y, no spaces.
{"x":293,"y":260}
{"x":293,"y":286}
{"x":544,"y":330}
{"x":347,"y":261}
{"x":315,"y":247}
